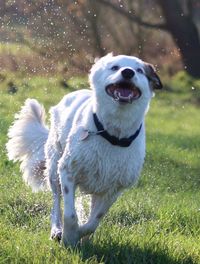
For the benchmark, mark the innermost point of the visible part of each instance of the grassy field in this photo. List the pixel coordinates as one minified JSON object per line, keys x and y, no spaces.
{"x":157,"y":222}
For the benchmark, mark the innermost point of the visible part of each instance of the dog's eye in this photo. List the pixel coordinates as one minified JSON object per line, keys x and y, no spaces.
{"x":140,"y":70}
{"x":115,"y":68}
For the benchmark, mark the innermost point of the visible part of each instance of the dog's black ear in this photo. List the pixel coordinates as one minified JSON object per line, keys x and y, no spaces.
{"x":152,"y":76}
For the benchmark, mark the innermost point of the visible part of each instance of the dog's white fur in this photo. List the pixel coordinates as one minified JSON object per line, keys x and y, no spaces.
{"x":95,"y":165}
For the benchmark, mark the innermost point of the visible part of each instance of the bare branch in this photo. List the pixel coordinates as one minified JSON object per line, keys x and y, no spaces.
{"x":132,"y":17}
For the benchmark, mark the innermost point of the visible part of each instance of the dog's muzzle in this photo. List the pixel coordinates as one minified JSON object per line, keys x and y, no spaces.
{"x":123,"y":92}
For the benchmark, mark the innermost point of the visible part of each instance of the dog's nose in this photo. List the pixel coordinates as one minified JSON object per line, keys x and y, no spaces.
{"x":128,"y":73}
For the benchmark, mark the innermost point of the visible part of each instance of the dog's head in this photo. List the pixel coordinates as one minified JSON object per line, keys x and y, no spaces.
{"x":124,"y":79}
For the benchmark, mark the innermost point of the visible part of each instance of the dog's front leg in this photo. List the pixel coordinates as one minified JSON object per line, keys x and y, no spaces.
{"x":100,"y":206}
{"x":70,"y":231}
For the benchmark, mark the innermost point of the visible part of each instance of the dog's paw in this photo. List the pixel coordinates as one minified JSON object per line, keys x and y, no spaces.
{"x":71,"y":240}
{"x":56,"y":234}
{"x":86,"y":239}
{"x":70,"y":243}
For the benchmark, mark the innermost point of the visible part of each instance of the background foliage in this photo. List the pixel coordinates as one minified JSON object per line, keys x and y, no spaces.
{"x":67,"y":35}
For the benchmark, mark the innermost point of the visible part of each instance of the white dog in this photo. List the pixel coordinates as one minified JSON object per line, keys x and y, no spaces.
{"x":96,"y":141}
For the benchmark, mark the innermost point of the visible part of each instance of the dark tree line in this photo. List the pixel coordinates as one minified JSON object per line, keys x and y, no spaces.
{"x":179,"y":23}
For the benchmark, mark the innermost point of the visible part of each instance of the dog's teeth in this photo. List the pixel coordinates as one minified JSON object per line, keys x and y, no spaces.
{"x":130,"y":98}
{"x":116,"y":95}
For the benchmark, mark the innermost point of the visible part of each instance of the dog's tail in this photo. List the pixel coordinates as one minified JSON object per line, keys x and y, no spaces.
{"x":27,"y":137}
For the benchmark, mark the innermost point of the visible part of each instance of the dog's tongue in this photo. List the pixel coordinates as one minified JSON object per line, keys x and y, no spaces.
{"x":125,"y":92}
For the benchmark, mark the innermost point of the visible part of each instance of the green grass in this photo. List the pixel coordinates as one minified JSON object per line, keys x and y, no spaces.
{"x":157,"y":222}
{"x":14,"y":48}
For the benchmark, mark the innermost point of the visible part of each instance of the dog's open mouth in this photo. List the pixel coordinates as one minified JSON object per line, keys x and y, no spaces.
{"x":123,"y":92}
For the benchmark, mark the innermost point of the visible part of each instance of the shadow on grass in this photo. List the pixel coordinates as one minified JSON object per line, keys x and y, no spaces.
{"x":113,"y":253}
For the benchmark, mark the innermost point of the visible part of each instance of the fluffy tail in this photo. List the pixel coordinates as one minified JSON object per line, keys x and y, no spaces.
{"x":27,"y":137}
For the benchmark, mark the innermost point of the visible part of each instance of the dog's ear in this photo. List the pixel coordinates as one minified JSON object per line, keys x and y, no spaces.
{"x":104,"y":57}
{"x":96,"y":59}
{"x":110,"y":54}
{"x":152,"y":76}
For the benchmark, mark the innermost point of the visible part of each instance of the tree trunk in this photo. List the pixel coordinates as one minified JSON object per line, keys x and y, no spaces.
{"x":184,"y":33}
{"x":2,"y":7}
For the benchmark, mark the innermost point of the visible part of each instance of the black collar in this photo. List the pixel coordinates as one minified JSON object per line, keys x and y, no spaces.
{"x":123,"y":142}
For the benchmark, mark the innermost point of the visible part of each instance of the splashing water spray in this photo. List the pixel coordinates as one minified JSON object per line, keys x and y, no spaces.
{"x":83,"y":205}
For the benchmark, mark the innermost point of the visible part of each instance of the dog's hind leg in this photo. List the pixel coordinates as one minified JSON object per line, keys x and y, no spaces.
{"x":52,"y":157}
{"x":100,"y":206}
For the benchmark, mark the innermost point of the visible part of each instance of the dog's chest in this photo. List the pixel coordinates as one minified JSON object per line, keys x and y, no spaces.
{"x":99,"y":166}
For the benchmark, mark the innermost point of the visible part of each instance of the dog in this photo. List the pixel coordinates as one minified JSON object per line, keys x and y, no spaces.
{"x":96,"y":141}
